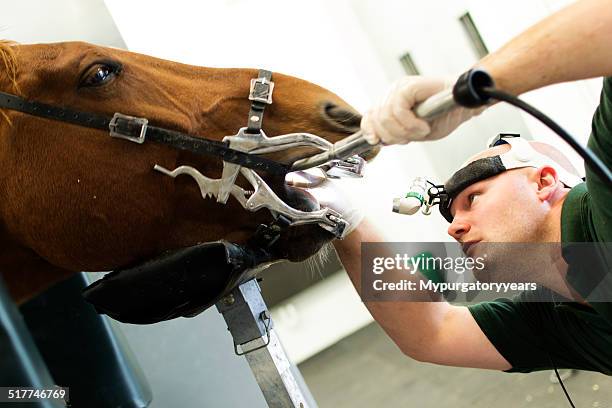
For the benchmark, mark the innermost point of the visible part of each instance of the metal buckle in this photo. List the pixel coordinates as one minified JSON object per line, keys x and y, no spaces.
{"x":142,"y":122}
{"x":261,"y":90}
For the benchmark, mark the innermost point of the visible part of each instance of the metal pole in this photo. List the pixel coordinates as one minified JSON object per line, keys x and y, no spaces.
{"x":249,"y":322}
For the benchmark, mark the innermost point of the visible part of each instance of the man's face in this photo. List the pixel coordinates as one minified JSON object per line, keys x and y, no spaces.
{"x":503,"y":208}
{"x":512,"y":207}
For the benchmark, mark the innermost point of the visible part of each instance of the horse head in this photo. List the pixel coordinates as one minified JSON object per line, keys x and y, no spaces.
{"x":74,"y":199}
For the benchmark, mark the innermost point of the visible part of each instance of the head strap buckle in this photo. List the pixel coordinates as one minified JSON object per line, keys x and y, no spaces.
{"x":125,"y":127}
{"x":261,"y":90}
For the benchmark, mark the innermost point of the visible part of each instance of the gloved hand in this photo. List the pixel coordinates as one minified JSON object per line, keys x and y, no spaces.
{"x":394,"y":122}
{"x":342,"y":195}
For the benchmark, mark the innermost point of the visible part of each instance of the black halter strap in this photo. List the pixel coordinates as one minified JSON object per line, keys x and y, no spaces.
{"x":260,"y":95}
{"x":137,"y":129}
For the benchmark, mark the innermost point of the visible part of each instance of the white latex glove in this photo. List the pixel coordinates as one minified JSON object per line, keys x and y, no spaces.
{"x":394,"y":122}
{"x":342,"y":195}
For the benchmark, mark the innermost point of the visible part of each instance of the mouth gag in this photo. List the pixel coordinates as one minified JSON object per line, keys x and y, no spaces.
{"x":252,"y":140}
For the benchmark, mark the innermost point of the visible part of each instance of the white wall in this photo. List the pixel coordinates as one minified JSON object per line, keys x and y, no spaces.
{"x":292,"y":37}
{"x":430,"y":31}
{"x":34,"y":21}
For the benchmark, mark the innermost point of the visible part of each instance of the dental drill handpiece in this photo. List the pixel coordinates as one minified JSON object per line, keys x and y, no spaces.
{"x":466,"y":92}
{"x":355,"y":144}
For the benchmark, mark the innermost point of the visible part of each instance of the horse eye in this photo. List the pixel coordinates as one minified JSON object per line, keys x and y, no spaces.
{"x":98,"y":75}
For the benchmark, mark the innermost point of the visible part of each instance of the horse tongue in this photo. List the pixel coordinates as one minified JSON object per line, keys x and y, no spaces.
{"x":182,"y":283}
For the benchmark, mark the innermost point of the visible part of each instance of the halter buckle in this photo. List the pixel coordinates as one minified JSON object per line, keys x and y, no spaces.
{"x":261,"y":90}
{"x":129,"y":128}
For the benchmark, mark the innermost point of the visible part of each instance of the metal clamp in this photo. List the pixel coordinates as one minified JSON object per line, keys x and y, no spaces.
{"x":265,"y":197}
{"x":132,"y":121}
{"x":261,"y":90}
{"x":266,"y":320}
{"x":261,"y":144}
{"x":352,"y":167}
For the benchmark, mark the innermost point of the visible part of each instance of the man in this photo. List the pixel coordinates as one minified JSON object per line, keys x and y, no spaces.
{"x":529,"y":204}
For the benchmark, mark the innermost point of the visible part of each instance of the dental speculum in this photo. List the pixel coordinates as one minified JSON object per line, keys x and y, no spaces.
{"x":262,"y":196}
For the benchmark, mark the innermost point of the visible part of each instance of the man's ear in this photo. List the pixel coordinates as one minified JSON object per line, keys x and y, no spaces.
{"x":547,"y":181}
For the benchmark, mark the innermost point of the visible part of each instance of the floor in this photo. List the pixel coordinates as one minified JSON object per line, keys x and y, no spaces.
{"x":367,"y":370}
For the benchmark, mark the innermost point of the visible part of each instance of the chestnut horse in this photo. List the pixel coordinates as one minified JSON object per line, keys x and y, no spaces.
{"x":74,"y":199}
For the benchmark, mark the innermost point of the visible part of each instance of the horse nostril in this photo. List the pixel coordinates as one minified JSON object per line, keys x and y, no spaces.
{"x":346,"y":120}
{"x":341,"y":118}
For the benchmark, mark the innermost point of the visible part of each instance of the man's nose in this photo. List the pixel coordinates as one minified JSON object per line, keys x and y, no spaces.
{"x":458,"y":228}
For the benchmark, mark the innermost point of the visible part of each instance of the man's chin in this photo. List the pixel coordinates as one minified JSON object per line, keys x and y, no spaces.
{"x":507,"y":262}
{"x":483,"y":275}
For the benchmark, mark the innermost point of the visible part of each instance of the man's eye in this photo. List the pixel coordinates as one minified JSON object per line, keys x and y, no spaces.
{"x":472,"y":197}
{"x":99,"y":75}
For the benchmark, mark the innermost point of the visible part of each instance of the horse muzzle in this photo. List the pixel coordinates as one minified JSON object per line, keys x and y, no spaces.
{"x":182,"y":283}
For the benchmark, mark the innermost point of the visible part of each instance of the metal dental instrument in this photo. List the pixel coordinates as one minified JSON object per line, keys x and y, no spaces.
{"x":356,"y":144}
{"x":263,"y":197}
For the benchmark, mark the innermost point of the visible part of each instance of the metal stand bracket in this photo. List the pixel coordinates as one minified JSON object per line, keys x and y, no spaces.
{"x":249,"y":322}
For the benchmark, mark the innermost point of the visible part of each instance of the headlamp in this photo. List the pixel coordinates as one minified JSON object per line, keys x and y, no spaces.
{"x":425,"y":194}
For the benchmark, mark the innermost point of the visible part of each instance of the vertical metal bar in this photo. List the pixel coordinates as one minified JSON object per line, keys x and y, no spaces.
{"x":478,"y":44}
{"x":249,"y":322}
{"x":272,"y":371}
{"x":408,"y":63}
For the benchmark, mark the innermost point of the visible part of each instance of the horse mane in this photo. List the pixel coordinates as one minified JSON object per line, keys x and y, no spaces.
{"x":9,"y":68}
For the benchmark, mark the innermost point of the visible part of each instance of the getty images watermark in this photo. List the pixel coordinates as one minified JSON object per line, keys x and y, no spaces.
{"x":445,"y":271}
{"x":427,"y":262}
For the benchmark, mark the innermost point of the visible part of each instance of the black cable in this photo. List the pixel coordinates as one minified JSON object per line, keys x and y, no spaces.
{"x":596,"y":165}
{"x":561,"y":381}
{"x":475,"y":87}
{"x":589,"y":157}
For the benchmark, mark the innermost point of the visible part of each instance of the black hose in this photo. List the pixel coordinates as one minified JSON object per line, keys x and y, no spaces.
{"x":595,"y":164}
{"x":554,"y":366}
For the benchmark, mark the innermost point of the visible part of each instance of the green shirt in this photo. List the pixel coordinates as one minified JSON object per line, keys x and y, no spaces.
{"x":530,"y":334}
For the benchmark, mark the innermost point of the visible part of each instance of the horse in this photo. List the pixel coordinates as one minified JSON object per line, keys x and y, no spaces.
{"x":74,"y":199}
